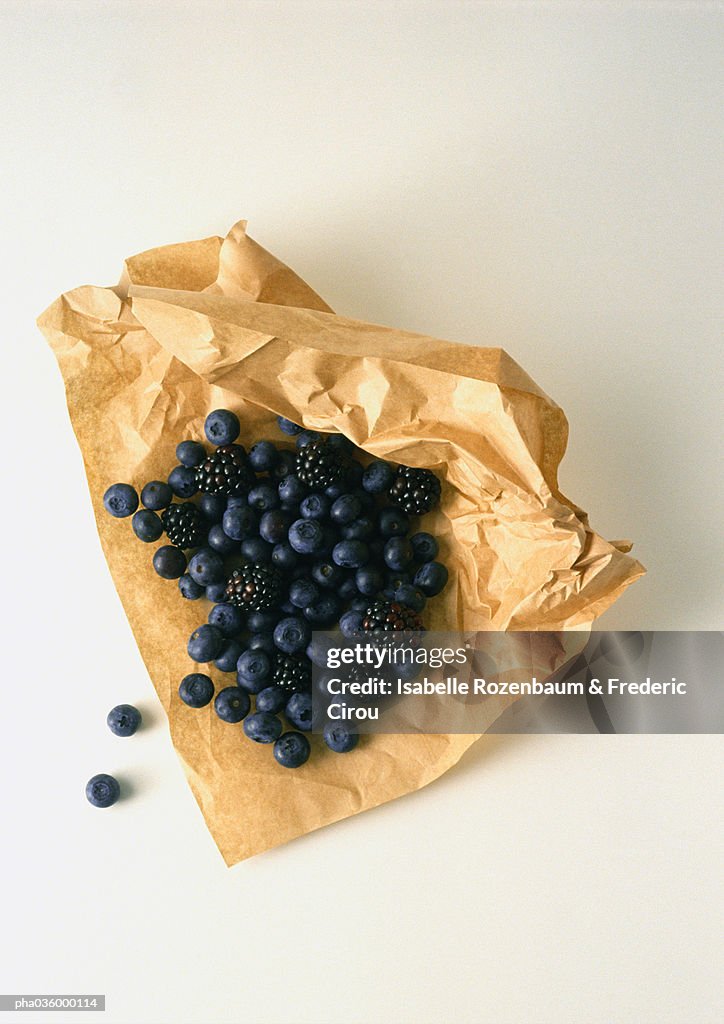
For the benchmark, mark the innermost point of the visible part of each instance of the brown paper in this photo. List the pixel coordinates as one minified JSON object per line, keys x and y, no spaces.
{"x":222,"y":323}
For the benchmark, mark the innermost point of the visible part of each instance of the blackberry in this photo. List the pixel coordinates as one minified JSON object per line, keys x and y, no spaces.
{"x":254,"y":587}
{"x":225,"y":471}
{"x":320,"y":465}
{"x":415,"y":490}
{"x":292,"y":673}
{"x":184,"y":525}
{"x":391,"y":615}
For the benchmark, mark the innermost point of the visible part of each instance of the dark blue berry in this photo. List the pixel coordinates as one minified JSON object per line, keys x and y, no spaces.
{"x":216,"y":593}
{"x":333,"y":491}
{"x":235,"y":501}
{"x":189,"y":588}
{"x":339,"y":738}
{"x":220,"y":541}
{"x":314,"y":506}
{"x":102,"y":790}
{"x":291,"y":490}
{"x":123,"y":720}
{"x":306,"y":536}
{"x":287,"y":427}
{"x":232,"y":704}
{"x":229,"y":656}
{"x":424,"y":547}
{"x":261,"y":642}
{"x":306,"y":437}
{"x":263,"y":456}
{"x":263,"y":497}
{"x":146,"y":525}
{"x":303,"y":592}
{"x":327,"y":575}
{"x":261,"y":727}
{"x":169,"y":562}
{"x":271,"y":699}
{"x":350,"y":554}
{"x":369,"y":580}
{"x":222,"y":427}
{"x":256,"y":551}
{"x":398,"y":553}
{"x":323,"y":613}
{"x":120,"y":500}
{"x":284,"y":557}
{"x":342,"y":443}
{"x":410,"y":595}
{"x":286,"y":464}
{"x":183,"y":482}
{"x":298,"y":711}
{"x":351,"y":623}
{"x":292,"y":635}
{"x":360,"y":529}
{"x":156,"y":495}
{"x":206,"y":567}
{"x":262,"y":621}
{"x":393,"y":522}
{"x":196,"y":690}
{"x":378,"y":477}
{"x":353,"y":476}
{"x":239,"y":523}
{"x":431,"y":578}
{"x":205,"y":643}
{"x":292,"y":750}
{"x":273,"y":526}
{"x":190,"y":453}
{"x":317,"y":650}
{"x":347,"y":589}
{"x":345,"y":509}
{"x":359,"y":604}
{"x":253,"y":670}
{"x":227,"y":618}
{"x":213,"y":506}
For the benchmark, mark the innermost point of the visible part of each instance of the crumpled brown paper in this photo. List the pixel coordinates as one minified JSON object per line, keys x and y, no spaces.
{"x":221,"y":322}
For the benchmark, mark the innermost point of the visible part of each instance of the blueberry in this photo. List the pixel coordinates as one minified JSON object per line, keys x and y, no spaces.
{"x":351,"y":623}
{"x":232,"y":704}
{"x":424,"y":547}
{"x":190,"y":453}
{"x":292,"y":750}
{"x":323,"y":613}
{"x":263,"y":497}
{"x":156,"y":495}
{"x":346,"y":509}
{"x":339,"y":738}
{"x":271,"y":699}
{"x":183,"y":482}
{"x":291,"y":490}
{"x":369,"y":580}
{"x":146,"y":525}
{"x":222,"y":427}
{"x":206,"y":567}
{"x":378,"y":477}
{"x":431,"y":578}
{"x":169,"y":562}
{"x":120,"y":500}
{"x":360,"y":529}
{"x":314,"y":506}
{"x":261,"y":727}
{"x":287,"y":427}
{"x":256,"y":550}
{"x":123,"y":719}
{"x":393,"y":522}
{"x":326,"y":574}
{"x":274,"y":525}
{"x":196,"y":690}
{"x":341,"y":443}
{"x":284,"y":557}
{"x":261,"y":642}
{"x":398,"y":553}
{"x":286,"y":464}
{"x":229,"y":656}
{"x":216,"y":593}
{"x":298,"y":711}
{"x":292,"y":635}
{"x":347,"y":589}
{"x":317,"y":650}
{"x":205,"y":643}
{"x":236,"y":501}
{"x":220,"y":541}
{"x":262,"y":621}
{"x":306,"y":437}
{"x":239,"y":523}
{"x":360,"y":604}
{"x":334,"y":491}
{"x":189,"y":588}
{"x":350,"y":554}
{"x":306,"y":536}
{"x":410,"y":595}
{"x":227,"y":618}
{"x":253,"y":670}
{"x":263,"y":456}
{"x":102,"y":790}
{"x":213,"y":506}
{"x":396,"y":579}
{"x":303,"y":592}
{"x":353,"y":476}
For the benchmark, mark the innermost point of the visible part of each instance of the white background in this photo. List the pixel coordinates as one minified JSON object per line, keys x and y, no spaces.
{"x":537,"y":176}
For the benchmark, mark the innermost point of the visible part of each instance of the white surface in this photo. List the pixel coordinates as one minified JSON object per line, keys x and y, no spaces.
{"x":540,"y":177}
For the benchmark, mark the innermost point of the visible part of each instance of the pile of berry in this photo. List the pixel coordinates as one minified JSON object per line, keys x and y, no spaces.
{"x":283,"y":542}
